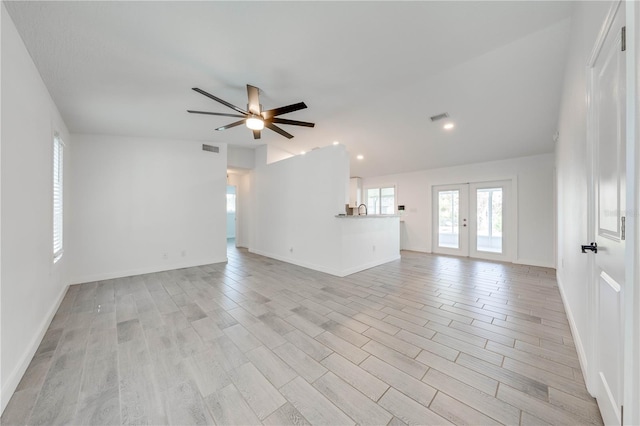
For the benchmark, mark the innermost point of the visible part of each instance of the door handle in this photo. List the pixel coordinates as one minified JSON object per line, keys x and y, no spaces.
{"x":593,"y":247}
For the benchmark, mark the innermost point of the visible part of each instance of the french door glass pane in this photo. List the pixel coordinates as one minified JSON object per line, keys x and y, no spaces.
{"x":489,"y":219}
{"x":448,"y":213}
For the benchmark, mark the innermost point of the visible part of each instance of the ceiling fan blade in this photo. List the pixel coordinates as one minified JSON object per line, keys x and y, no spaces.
{"x":215,"y":113}
{"x":223,"y":102}
{"x":278,"y":130}
{"x":283,"y":110}
{"x":292,"y":122}
{"x":228,"y":126}
{"x":253,"y":94}
{"x":256,"y":134}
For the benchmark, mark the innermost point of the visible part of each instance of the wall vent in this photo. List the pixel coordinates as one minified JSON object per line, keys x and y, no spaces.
{"x":440,"y":116}
{"x":210,"y":148}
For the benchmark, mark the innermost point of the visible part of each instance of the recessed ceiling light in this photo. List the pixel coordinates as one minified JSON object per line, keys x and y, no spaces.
{"x":360,"y":157}
{"x":303,"y":152}
{"x":448,"y":126}
{"x":336,"y":142}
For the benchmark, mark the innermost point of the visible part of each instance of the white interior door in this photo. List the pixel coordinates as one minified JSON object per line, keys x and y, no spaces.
{"x":607,"y":132}
{"x":472,"y":220}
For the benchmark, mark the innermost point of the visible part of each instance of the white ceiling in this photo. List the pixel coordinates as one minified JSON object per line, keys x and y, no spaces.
{"x":371,"y":73}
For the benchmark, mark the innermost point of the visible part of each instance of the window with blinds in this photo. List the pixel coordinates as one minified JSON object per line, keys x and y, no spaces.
{"x":58,"y":151}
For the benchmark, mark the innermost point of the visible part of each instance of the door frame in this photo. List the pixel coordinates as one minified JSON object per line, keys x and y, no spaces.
{"x":463,"y":200}
{"x":508,"y":240}
{"x":632,"y":325}
{"x":631,"y":368}
{"x":510,"y":243}
{"x":631,"y":320}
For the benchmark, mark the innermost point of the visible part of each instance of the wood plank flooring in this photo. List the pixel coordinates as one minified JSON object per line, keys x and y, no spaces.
{"x":424,"y":340}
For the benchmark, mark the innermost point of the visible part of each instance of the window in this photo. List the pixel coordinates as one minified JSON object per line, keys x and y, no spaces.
{"x":381,"y":200}
{"x":58,"y":150}
{"x":448,"y":218}
{"x":231,"y":203}
{"x":489,"y":219}
{"x":231,"y":199}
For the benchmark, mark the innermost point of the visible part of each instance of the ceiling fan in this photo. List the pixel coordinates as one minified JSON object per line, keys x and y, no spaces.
{"x":255,"y":118}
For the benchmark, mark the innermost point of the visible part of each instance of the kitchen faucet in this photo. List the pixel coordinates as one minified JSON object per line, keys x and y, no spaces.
{"x":365,"y":209}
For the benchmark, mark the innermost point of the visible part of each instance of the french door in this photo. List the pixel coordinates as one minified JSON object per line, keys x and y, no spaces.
{"x":473,"y":220}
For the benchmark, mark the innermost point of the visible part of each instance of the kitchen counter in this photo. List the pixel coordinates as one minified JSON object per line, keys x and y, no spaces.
{"x":366,"y":243}
{"x":369,"y":216}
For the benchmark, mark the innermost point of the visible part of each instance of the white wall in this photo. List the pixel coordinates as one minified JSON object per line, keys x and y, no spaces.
{"x":31,"y":285}
{"x":143,"y":205}
{"x":296,"y":201}
{"x":273,"y":154}
{"x":535,"y":200}
{"x":243,"y":158}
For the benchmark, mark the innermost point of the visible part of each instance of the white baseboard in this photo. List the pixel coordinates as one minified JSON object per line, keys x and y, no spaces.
{"x":331,"y":271}
{"x":15,"y":376}
{"x":368,"y":265}
{"x":577,"y":340}
{"x":528,"y":262}
{"x":531,"y":262}
{"x":417,"y":249}
{"x":297,"y":262}
{"x":146,"y":270}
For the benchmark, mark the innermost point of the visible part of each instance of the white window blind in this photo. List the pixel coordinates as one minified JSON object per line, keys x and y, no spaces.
{"x":58,"y":151}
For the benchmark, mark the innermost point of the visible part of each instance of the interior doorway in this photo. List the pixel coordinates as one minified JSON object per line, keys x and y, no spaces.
{"x":231,"y":213}
{"x":473,"y":219}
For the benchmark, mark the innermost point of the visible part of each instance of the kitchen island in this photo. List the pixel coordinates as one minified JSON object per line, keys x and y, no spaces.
{"x":293,"y":212}
{"x":367,"y":241}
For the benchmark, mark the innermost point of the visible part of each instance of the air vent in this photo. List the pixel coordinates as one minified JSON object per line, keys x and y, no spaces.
{"x":440,"y":116}
{"x":210,"y":148}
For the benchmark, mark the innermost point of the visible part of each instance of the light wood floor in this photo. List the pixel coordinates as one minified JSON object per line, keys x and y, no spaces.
{"x":424,"y":340}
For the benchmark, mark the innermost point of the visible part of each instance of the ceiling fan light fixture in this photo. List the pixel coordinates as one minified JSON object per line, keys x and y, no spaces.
{"x":255,"y":123}
{"x":255,"y":119}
